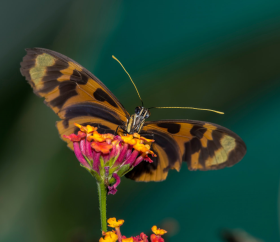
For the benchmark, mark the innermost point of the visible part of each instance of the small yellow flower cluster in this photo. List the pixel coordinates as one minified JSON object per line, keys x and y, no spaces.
{"x":113,"y":236}
{"x":158,"y":231}
{"x":109,"y":237}
{"x":139,"y":143}
{"x":113,"y":223}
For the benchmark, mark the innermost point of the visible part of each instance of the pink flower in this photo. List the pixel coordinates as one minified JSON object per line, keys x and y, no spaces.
{"x":108,"y":157}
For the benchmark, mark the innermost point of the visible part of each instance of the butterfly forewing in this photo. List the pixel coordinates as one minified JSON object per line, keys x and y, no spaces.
{"x":73,"y":93}
{"x":203,"y":145}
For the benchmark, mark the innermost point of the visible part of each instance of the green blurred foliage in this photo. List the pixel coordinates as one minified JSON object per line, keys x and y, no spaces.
{"x":221,"y":55}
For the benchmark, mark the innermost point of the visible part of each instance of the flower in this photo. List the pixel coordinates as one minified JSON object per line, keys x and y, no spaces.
{"x":112,"y":222}
{"x":110,"y":236}
{"x":88,"y":129}
{"x":108,"y":157}
{"x":96,"y":137}
{"x":103,"y":147}
{"x":158,"y":231}
{"x":156,"y":237}
{"x":113,"y":236}
{"x":74,"y":137}
{"x":112,"y":189}
{"x":141,"y":238}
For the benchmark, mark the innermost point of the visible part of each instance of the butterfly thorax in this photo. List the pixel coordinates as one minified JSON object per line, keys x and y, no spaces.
{"x":137,"y":120}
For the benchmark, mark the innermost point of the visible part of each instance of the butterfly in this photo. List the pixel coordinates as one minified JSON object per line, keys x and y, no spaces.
{"x":77,"y":96}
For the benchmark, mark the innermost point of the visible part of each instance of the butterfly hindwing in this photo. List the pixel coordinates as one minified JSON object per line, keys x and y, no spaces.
{"x":73,"y":93}
{"x":203,"y":145}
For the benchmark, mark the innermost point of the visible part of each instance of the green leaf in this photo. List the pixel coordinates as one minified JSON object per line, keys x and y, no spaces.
{"x":112,"y":170}
{"x":127,"y":171}
{"x":101,"y":162}
{"x":123,"y":170}
{"x":96,"y":175}
{"x":112,"y":181}
{"x":88,"y":161}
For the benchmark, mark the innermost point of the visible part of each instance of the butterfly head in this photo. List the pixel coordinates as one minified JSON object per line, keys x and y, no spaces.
{"x":137,"y":120}
{"x":142,"y":112}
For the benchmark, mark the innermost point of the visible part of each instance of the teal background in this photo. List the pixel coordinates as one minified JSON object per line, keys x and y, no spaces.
{"x":222,"y":55}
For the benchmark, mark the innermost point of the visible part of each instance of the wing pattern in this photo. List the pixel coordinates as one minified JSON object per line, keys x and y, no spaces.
{"x":77,"y":96}
{"x":71,"y":91}
{"x":203,"y":145}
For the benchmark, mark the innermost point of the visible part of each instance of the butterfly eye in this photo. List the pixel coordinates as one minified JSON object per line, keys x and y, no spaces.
{"x":148,"y":114}
{"x":138,"y":110}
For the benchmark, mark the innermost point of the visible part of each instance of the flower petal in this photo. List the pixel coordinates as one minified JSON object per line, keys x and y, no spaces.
{"x":96,"y":137}
{"x":79,"y":155}
{"x":108,"y":136}
{"x":141,"y":147}
{"x":102,"y":147}
{"x":148,"y":159}
{"x":132,"y":157}
{"x":87,"y":129}
{"x":128,"y":139}
{"x":112,"y":222}
{"x":91,"y":129}
{"x":113,"y":189}
{"x":73,"y":137}
{"x":122,"y":155}
{"x":110,"y":236}
{"x":127,"y":239}
{"x":156,"y":238}
{"x":89,"y":152}
{"x":158,"y":231}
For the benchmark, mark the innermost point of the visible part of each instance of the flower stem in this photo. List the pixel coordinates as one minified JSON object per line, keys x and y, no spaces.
{"x":102,"y":192}
{"x":119,"y":234}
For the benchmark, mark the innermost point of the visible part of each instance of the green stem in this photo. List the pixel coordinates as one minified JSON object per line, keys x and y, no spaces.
{"x":102,"y":192}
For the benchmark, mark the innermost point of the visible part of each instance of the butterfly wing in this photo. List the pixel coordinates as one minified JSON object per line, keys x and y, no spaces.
{"x":203,"y":145}
{"x":72,"y":92}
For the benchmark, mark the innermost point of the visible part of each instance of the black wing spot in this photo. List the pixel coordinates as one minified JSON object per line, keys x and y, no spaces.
{"x":198,"y":131}
{"x":171,"y":127}
{"x":67,"y":89}
{"x":79,"y":77}
{"x":187,"y":154}
{"x":49,"y":86}
{"x":84,"y":78}
{"x":191,"y":147}
{"x":102,"y":96}
{"x":196,"y":145}
{"x":203,"y":156}
{"x":76,"y":77}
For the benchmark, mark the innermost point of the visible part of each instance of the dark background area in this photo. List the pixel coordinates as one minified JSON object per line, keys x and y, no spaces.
{"x":222,"y":55}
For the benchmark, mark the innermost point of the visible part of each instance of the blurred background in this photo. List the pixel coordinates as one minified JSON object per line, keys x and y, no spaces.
{"x":222,"y":55}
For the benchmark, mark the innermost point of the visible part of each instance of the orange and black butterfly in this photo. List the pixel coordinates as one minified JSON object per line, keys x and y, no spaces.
{"x":77,"y":96}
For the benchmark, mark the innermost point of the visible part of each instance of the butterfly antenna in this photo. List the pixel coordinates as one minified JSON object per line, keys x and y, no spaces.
{"x":192,"y":108}
{"x":129,"y":78}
